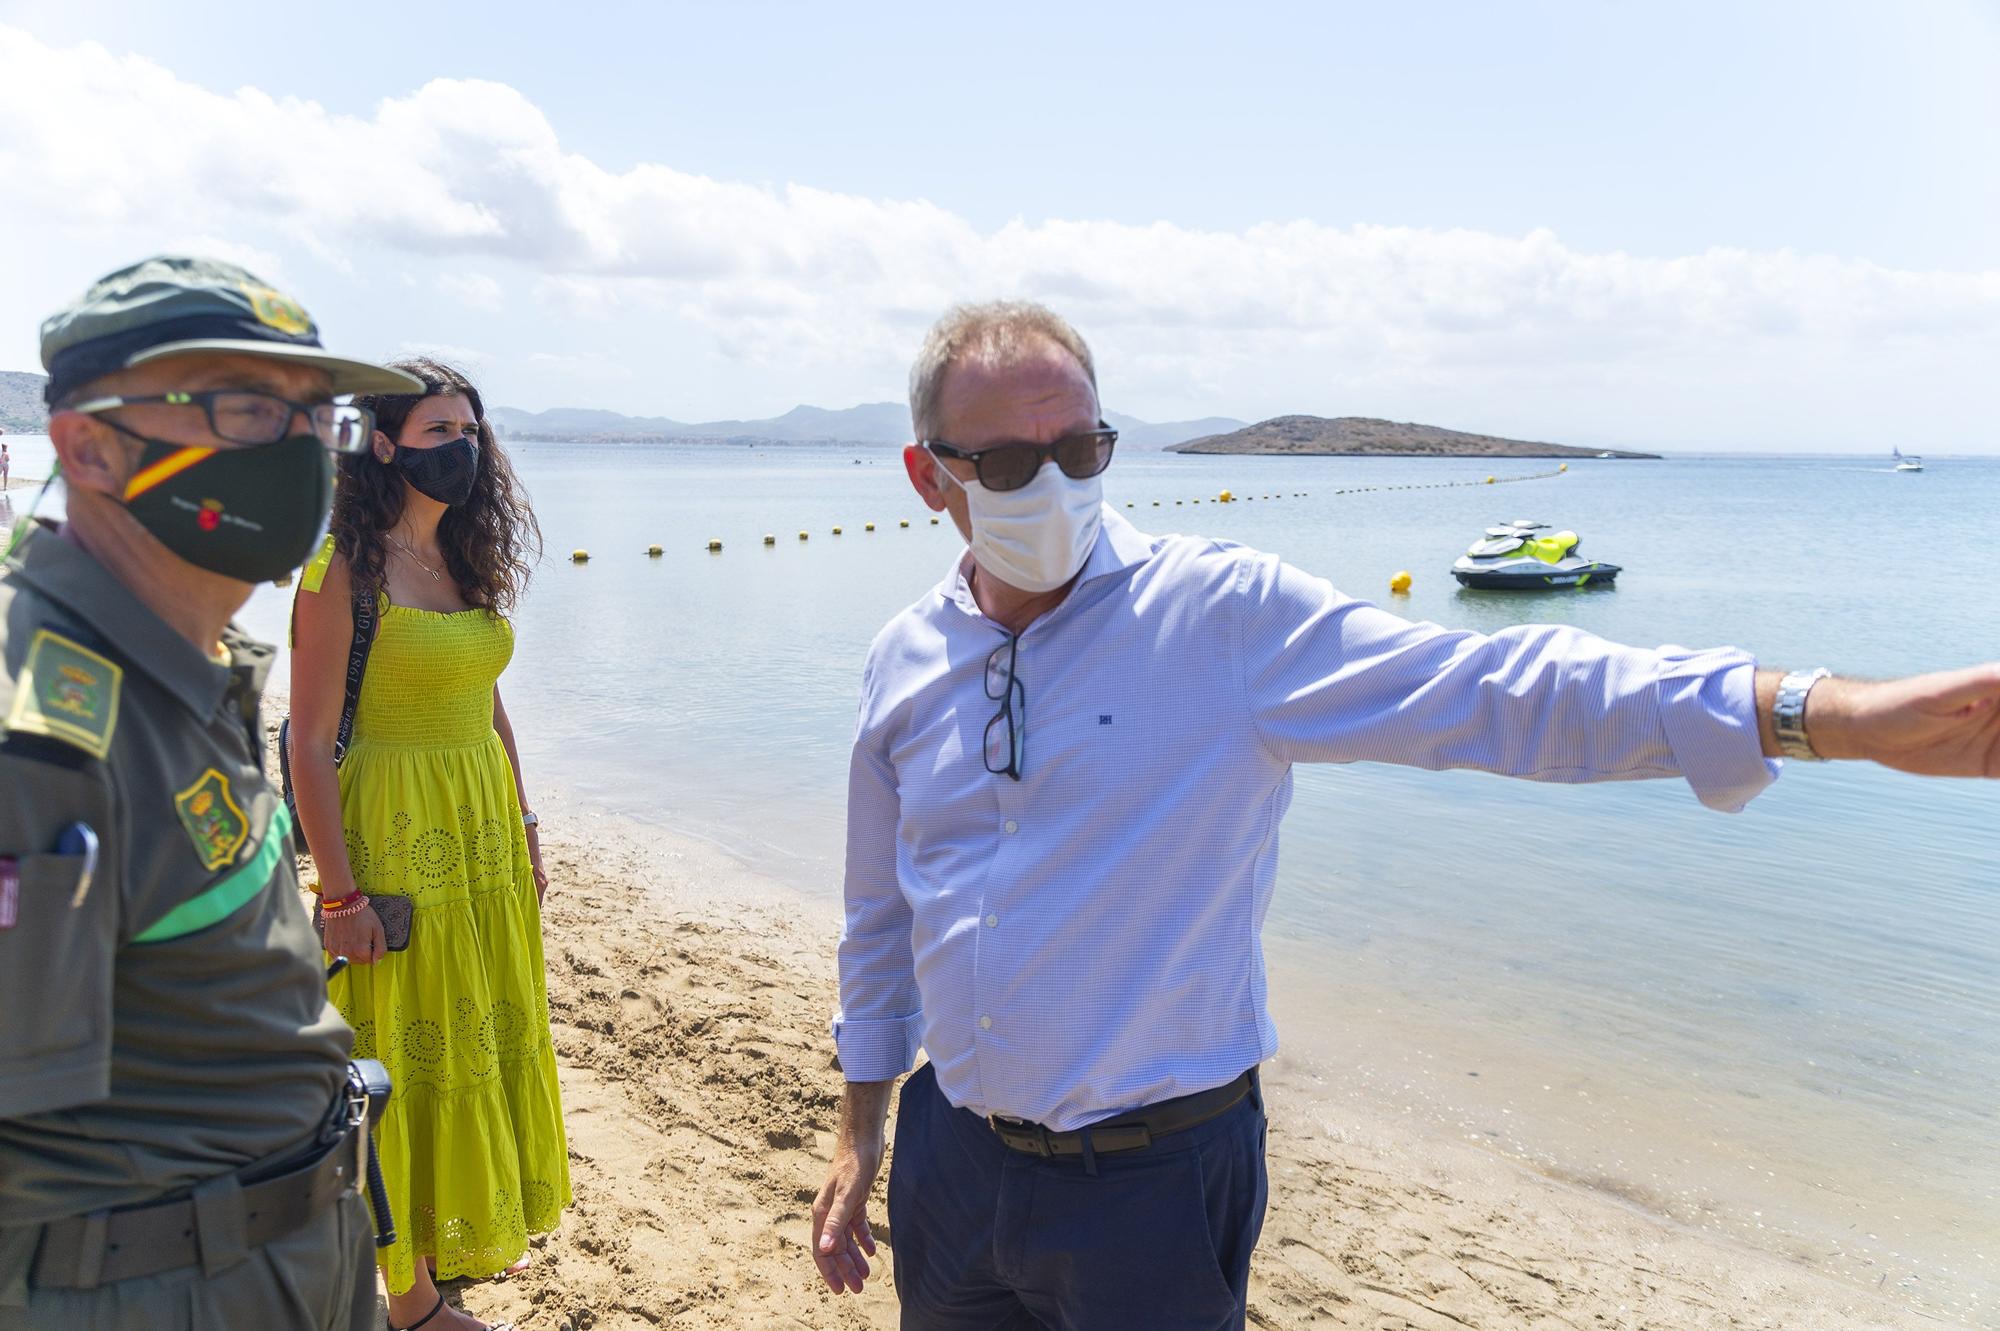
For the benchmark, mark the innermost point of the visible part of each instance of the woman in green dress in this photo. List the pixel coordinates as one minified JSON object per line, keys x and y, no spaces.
{"x":427,"y":803}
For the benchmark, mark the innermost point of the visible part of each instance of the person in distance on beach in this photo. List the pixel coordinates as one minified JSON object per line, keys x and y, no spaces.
{"x":177,"y":1142}
{"x":427,"y":804}
{"x":1070,"y":765}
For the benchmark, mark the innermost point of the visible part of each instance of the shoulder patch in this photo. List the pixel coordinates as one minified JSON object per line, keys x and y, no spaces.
{"x":215,"y":822}
{"x":67,"y":692}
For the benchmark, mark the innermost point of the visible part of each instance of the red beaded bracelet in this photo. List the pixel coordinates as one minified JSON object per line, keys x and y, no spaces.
{"x":350,"y":904}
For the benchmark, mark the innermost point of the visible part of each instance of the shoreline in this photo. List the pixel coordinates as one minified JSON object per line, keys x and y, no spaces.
{"x":689,"y":998}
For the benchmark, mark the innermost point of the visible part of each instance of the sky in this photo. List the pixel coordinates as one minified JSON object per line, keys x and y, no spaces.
{"x":1755,"y":225}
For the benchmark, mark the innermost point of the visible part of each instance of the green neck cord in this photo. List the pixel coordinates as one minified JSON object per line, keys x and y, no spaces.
{"x":26,"y":522}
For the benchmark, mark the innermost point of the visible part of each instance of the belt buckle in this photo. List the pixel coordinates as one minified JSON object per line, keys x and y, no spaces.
{"x":1036,"y":1133}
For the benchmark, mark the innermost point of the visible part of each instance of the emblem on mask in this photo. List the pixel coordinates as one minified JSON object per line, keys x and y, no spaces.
{"x":213,"y":819}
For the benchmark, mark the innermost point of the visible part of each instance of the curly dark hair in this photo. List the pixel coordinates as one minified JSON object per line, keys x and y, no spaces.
{"x":490,"y":542}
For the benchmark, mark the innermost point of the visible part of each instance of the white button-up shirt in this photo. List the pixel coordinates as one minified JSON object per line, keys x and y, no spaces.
{"x":1086,"y":940}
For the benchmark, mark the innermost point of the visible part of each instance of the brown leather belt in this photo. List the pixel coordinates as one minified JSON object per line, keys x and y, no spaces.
{"x":1126,"y":1132}
{"x":215,"y":1227}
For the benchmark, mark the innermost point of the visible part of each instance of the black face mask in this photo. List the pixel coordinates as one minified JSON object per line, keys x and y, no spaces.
{"x":253,"y":514}
{"x":446,"y":473}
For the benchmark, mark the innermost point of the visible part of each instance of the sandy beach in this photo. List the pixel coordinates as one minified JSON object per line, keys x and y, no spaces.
{"x":689,"y":998}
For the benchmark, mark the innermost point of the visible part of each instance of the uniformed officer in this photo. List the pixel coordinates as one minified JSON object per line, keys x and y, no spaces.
{"x":176,"y":1140}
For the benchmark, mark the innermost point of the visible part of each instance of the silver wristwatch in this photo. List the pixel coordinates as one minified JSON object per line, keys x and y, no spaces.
{"x":1788,"y":713}
{"x":530,"y":820}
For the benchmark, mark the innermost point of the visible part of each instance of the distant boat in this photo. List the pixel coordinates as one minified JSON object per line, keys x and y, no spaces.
{"x":1905,"y":462}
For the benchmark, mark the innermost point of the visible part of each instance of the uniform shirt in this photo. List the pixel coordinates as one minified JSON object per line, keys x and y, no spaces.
{"x":1086,"y":940}
{"x":167,"y":1020}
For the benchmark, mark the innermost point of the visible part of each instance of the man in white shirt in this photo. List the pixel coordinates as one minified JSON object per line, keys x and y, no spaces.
{"x":1070,"y":767}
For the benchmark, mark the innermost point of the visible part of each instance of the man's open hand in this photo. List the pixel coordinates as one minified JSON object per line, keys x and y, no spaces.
{"x":842,"y":1241}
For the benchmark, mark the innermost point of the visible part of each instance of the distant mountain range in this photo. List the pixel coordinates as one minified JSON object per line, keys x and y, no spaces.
{"x":869,"y":423}
{"x":1364,"y":436}
{"x":888,"y":423}
{"x":21,"y":407}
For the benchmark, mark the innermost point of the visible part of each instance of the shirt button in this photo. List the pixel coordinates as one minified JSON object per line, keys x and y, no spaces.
{"x":986,"y":1023}
{"x":992,"y":921}
{"x":1013,"y":826}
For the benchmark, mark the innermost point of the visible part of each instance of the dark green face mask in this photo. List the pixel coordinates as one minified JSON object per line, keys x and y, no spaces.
{"x":253,"y":514}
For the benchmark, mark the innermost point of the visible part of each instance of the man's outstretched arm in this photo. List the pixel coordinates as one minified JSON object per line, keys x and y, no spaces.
{"x":1331,"y":679}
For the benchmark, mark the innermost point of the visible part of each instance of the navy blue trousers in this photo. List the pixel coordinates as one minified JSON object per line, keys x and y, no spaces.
{"x":989,"y":1239}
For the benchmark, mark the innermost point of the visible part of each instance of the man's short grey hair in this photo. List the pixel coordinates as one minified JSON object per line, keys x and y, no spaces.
{"x":995,"y":332}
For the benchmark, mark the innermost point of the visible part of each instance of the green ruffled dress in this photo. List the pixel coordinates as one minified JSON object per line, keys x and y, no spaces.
{"x":472,"y":1144}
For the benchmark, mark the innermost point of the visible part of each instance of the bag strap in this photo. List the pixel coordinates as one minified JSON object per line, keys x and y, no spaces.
{"x":365,"y":611}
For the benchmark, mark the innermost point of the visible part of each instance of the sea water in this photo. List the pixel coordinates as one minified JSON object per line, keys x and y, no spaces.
{"x":1783,"y":1025}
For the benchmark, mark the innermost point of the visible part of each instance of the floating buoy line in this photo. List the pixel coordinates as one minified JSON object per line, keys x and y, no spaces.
{"x":714,"y":544}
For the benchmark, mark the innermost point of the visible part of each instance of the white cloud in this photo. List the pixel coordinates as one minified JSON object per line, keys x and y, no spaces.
{"x":798,"y":277}
{"x":478,"y":292}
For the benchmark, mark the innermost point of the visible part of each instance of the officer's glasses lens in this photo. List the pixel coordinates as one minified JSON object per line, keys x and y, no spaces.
{"x":343,"y":426}
{"x":249,"y":418}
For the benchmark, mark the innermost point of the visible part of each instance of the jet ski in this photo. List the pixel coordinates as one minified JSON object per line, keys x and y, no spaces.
{"x":1517,"y":557}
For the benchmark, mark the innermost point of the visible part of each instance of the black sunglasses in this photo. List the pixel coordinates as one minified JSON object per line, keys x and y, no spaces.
{"x":1007,"y":732}
{"x":1011,"y":466}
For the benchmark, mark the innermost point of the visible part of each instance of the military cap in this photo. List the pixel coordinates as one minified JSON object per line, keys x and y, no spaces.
{"x":177,"y":303}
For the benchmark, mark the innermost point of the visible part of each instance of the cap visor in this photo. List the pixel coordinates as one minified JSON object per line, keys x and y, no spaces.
{"x":349,"y":376}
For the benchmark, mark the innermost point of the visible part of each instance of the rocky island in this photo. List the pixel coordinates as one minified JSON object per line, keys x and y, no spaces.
{"x":1364,"y":436}
{"x":21,"y":409}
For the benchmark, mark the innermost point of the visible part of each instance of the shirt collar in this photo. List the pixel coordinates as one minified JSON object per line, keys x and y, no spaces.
{"x":1119,"y":546}
{"x":70,"y":576}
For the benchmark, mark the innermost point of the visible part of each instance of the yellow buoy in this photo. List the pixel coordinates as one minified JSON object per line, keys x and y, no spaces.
{"x":1156,"y":503}
{"x":904,"y":523}
{"x":579,"y":556}
{"x":285,"y":581}
{"x":714,"y":546}
{"x":1489,"y":480}
{"x":934,"y":522}
{"x":1177,"y":503}
{"x":770,"y":539}
{"x":1400,"y":583}
{"x":1128,"y":503}
{"x":802,"y":536}
{"x":1224,"y":497}
{"x":654,"y":551}
{"x":1563,"y":467}
{"x":836,"y":531}
{"x":868,"y":526}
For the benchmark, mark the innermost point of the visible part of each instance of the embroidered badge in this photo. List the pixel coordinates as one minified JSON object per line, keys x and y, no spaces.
{"x":67,"y":692}
{"x":275,"y":310}
{"x":213,"y":819}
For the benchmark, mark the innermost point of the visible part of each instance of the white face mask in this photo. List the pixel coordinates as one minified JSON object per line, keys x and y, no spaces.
{"x":1035,"y":538}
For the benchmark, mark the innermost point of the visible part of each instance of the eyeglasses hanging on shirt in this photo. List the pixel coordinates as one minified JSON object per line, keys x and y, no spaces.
{"x":1007,"y":732}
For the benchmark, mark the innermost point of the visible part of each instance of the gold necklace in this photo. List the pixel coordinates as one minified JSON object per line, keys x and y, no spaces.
{"x":435,"y":575}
